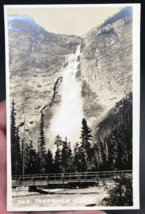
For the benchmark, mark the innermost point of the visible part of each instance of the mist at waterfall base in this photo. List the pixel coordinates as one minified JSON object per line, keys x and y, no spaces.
{"x":67,"y":121}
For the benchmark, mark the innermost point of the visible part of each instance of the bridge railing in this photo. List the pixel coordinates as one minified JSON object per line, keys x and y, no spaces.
{"x":72,"y":176}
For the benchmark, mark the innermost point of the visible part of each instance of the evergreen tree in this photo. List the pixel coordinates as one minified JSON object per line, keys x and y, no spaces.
{"x":103,"y":155}
{"x":79,"y":159}
{"x":94,"y":161}
{"x":58,"y":155}
{"x":57,"y":161}
{"x":58,"y":141}
{"x":30,"y":159}
{"x":118,"y":142}
{"x":24,"y":157}
{"x":99,"y":156}
{"x":76,"y":156}
{"x":85,"y":143}
{"x":49,"y":162}
{"x":15,"y":144}
{"x":122,"y":156}
{"x":41,"y":146}
{"x":128,"y":133}
{"x":121,"y":194}
{"x":64,"y":156}
{"x":112,"y":149}
{"x":70,"y":167}
{"x":105,"y":159}
{"x":13,"y":124}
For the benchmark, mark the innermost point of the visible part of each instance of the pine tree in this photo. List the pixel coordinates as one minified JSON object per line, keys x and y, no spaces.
{"x":121,"y":194}
{"x":94,"y":161}
{"x":82,"y":166}
{"x":30,"y":159}
{"x":24,"y":157}
{"x":70,"y":167}
{"x":58,"y":141}
{"x":112,"y":150}
{"x":79,"y":159}
{"x":120,"y":164}
{"x":41,"y":146}
{"x":85,"y":143}
{"x":76,"y":156}
{"x":49,"y":162}
{"x":57,"y":161}
{"x":118,"y":142}
{"x":103,"y":155}
{"x":58,"y":155}
{"x":13,"y":124}
{"x":99,"y":156}
{"x":64,"y":156}
{"x":15,"y":144}
{"x":123,"y":150}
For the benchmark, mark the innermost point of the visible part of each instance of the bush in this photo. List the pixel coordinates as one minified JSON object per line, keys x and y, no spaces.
{"x":121,"y":194}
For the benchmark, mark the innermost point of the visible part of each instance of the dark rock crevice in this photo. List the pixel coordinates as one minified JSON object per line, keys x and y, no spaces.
{"x":55,"y":87}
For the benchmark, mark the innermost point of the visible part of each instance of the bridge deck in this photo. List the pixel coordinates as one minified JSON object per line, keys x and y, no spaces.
{"x":66,"y":178}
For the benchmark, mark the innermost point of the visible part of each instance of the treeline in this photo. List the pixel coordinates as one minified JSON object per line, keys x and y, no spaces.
{"x":114,"y":136}
{"x":120,"y":15}
{"x":104,"y":31}
{"x":112,"y":152}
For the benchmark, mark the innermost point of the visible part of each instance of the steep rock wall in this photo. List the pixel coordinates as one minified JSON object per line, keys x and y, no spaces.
{"x":106,"y":67}
{"x":37,"y":62}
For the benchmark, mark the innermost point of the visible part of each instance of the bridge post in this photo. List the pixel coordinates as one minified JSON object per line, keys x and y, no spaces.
{"x":46,"y":177}
{"x":19,"y":178}
{"x":33,"y":178}
{"x":85,"y":176}
{"x":20,"y":182}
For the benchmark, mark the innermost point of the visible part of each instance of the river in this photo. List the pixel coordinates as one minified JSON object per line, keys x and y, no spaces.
{"x":83,"y":197}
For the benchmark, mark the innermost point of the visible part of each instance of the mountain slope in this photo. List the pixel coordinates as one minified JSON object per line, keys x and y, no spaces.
{"x":106,"y":65}
{"x":113,"y":137}
{"x":117,"y":116}
{"x":38,"y":60}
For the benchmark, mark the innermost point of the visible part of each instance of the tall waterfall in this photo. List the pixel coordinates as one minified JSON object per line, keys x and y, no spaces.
{"x":67,"y":121}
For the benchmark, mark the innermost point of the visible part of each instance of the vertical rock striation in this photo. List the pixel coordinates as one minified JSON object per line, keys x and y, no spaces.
{"x":38,"y":60}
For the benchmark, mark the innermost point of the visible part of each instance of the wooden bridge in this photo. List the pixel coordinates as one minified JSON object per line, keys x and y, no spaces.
{"x":71,"y":179}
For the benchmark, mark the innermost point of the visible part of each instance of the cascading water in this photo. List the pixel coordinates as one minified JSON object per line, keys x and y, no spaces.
{"x":67,"y":121}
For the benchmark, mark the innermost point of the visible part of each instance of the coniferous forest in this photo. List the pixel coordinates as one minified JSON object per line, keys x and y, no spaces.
{"x":112,"y":151}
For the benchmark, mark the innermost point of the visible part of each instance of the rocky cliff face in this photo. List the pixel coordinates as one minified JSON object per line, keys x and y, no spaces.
{"x":38,"y":59}
{"x":106,"y":67}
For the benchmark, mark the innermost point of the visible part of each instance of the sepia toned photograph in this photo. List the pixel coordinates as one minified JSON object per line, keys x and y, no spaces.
{"x":73,"y":82}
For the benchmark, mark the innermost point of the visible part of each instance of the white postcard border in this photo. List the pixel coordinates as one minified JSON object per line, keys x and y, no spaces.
{"x":136,"y":110}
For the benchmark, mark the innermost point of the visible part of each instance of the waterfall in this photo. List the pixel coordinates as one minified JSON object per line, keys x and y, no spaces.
{"x":67,"y":121}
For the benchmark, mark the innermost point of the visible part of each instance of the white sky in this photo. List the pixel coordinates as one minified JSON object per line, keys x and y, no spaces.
{"x":67,"y":20}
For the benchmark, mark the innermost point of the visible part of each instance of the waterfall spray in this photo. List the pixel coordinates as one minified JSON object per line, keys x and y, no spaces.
{"x":67,"y":121}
